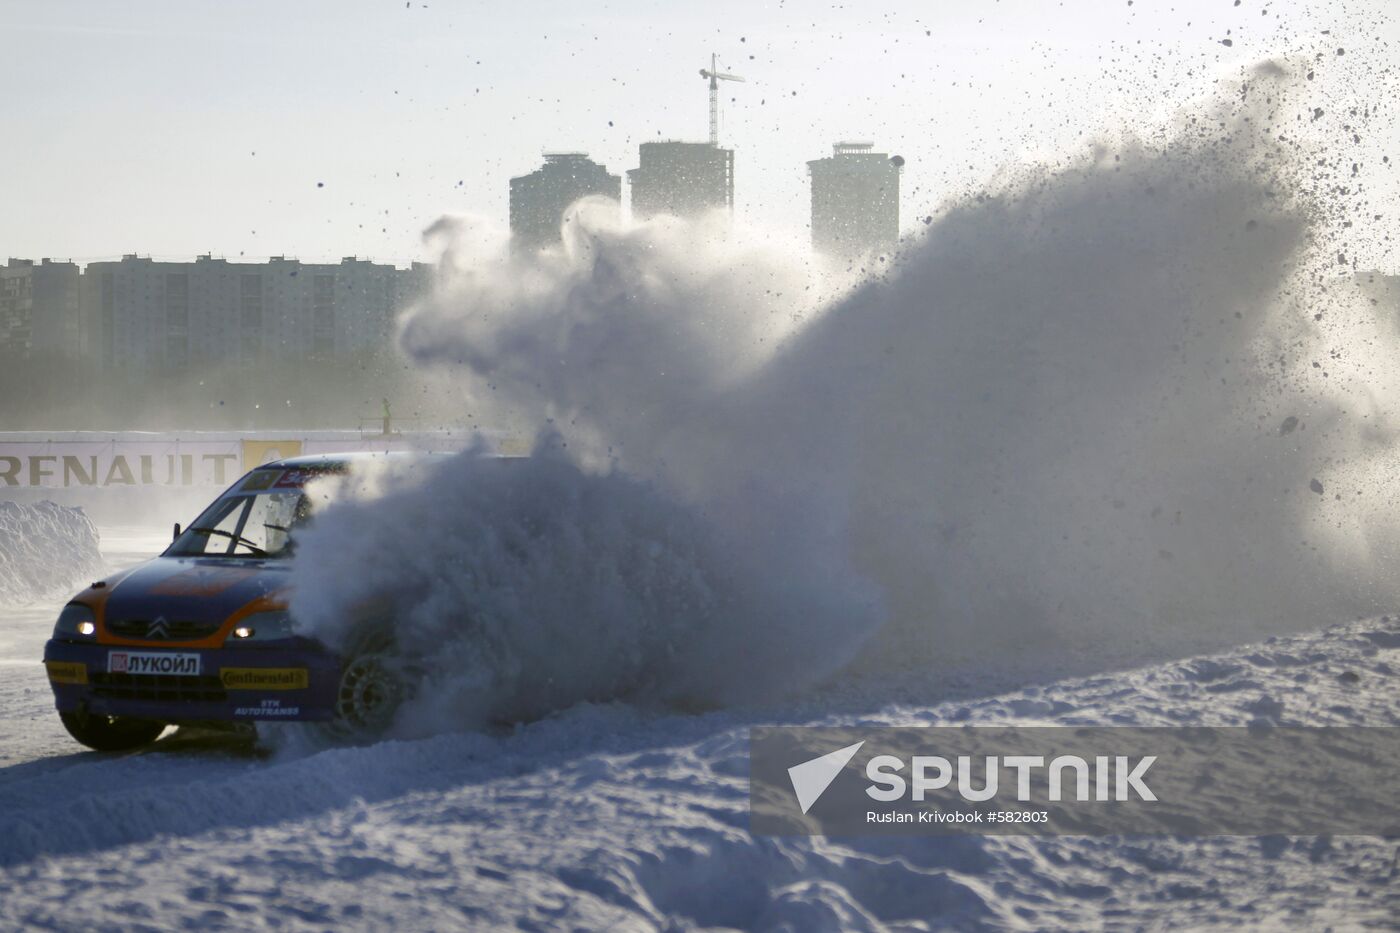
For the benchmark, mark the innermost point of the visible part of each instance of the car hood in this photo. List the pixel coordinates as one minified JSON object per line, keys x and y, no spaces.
{"x":193,"y":589}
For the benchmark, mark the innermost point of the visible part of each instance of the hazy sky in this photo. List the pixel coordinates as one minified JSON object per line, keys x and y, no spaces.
{"x":182,"y":127}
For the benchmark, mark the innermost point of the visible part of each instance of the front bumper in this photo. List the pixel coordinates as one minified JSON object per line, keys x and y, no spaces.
{"x":294,"y":679}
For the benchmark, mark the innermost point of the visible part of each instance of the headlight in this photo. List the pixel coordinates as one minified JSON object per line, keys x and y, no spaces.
{"x":75,"y":623}
{"x":263,"y":626}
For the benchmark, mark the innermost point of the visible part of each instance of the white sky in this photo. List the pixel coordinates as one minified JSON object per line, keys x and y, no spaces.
{"x":189,"y":126}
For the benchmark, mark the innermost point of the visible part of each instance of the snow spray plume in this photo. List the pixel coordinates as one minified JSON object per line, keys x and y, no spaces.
{"x":522,"y":586}
{"x":542,"y":583}
{"x":629,"y":331}
{"x":1123,"y":408}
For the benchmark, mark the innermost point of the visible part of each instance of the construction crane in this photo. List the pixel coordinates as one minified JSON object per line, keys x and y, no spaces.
{"x":715,"y":78}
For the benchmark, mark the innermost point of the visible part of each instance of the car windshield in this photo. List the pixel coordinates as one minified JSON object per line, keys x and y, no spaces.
{"x":249,"y":521}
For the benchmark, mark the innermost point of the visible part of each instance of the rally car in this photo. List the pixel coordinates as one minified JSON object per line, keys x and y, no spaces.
{"x":201,"y":634}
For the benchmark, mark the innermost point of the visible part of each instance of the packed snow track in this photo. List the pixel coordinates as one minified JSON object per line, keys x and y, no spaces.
{"x":612,"y":817}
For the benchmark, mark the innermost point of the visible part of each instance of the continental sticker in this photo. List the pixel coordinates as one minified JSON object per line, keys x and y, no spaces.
{"x":264,"y":678}
{"x":67,"y":672}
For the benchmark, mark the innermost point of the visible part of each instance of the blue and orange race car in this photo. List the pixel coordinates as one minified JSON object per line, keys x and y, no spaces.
{"x":201,"y":634}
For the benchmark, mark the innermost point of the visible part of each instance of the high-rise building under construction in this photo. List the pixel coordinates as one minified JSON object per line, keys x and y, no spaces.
{"x":538,"y":200}
{"x":855,"y":201}
{"x":683,"y":179}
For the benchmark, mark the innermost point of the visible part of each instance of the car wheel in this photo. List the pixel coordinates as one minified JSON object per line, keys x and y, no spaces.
{"x":110,"y":733}
{"x":373,"y":684}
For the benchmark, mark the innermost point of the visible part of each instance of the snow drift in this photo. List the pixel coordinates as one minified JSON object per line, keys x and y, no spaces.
{"x":1126,"y":407}
{"x":47,"y":551}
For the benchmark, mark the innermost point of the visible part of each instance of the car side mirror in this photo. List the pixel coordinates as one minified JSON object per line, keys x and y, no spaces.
{"x":177,"y":531}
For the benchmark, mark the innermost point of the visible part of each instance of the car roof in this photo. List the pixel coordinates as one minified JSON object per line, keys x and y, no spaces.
{"x":340,"y":461}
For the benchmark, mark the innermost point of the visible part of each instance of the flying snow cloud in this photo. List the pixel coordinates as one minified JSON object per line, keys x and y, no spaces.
{"x":596,"y":569}
{"x":1123,"y":406}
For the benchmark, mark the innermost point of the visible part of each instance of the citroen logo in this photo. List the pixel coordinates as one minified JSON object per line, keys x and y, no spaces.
{"x":158,"y":629}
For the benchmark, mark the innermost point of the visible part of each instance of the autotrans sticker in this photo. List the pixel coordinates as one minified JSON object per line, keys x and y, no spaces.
{"x":264,"y":678}
{"x":159,"y":663}
{"x":267,"y":709}
{"x":67,"y":672}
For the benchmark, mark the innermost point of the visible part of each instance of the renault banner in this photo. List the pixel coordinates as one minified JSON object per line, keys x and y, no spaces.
{"x":80,"y":459}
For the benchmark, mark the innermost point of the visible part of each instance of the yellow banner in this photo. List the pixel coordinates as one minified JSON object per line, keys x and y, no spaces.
{"x":256,"y":453}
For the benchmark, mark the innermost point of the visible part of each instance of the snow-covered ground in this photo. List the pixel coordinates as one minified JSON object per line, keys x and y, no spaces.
{"x":29,"y":727}
{"x":614,"y":817}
